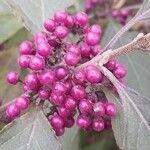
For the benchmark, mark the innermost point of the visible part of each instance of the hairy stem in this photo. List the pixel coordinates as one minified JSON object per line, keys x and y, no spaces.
{"x":141,"y":42}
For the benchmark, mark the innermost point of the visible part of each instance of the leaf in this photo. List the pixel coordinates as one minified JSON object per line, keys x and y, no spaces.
{"x":142,"y":14}
{"x":131,"y":126}
{"x":33,"y":13}
{"x":9,"y":25}
{"x":137,"y":62}
{"x":30,"y":132}
{"x":8,"y":63}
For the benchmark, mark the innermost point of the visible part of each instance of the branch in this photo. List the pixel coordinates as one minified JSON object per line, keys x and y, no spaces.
{"x":141,"y":42}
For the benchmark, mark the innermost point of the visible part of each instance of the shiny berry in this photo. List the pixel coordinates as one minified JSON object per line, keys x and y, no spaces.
{"x":26,"y":48}
{"x":12,"y":77}
{"x":110,"y":109}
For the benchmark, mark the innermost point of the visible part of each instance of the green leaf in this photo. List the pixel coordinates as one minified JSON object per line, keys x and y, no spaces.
{"x":33,"y":13}
{"x":9,"y":25}
{"x":131,"y":125}
{"x":8,"y":63}
{"x":30,"y":132}
{"x":136,"y":62}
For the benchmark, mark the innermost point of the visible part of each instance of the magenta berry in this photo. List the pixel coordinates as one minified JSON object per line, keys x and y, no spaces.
{"x":85,"y":51}
{"x":26,"y":48}
{"x":120,"y":71}
{"x":64,"y":112}
{"x":61,"y":32}
{"x":71,"y":59}
{"x":59,"y":132}
{"x":93,"y":74}
{"x":69,"y":122}
{"x":79,"y":77}
{"x":78,"y":92}
{"x":37,"y":63}
{"x":32,"y":81}
{"x":44,"y":49}
{"x":69,"y":22}
{"x":24,"y":61}
{"x":22,"y":102}
{"x":12,"y":111}
{"x":92,"y":38}
{"x":96,"y":29}
{"x":111,"y":65}
{"x":61,"y":73}
{"x":68,"y":83}
{"x":95,"y":50}
{"x":98,"y":124}
{"x":44,"y":94}
{"x":12,"y":77}
{"x":56,"y":98}
{"x":49,"y":25}
{"x":61,"y":16}
{"x":83,"y":121}
{"x":73,"y":48}
{"x":57,"y":122}
{"x":85,"y":106}
{"x":47,"y":77}
{"x":59,"y":87}
{"x":81,"y":18}
{"x":98,"y":109}
{"x":70,"y":103}
{"x":111,"y":109}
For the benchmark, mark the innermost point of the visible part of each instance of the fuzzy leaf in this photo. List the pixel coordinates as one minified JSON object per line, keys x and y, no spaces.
{"x":30,"y":132}
{"x":136,"y":62}
{"x":142,"y":14}
{"x":33,"y":13}
{"x":131,"y":125}
{"x":7,"y":59}
{"x":9,"y":25}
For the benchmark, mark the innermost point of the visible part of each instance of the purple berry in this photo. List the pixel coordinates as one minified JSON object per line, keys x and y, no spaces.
{"x":81,"y":18}
{"x":70,"y":103}
{"x":73,"y":48}
{"x":69,"y":122}
{"x":98,"y":109}
{"x":32,"y":81}
{"x":12,"y":77}
{"x":110,"y":109}
{"x":79,"y":77}
{"x":96,"y":29}
{"x":78,"y":92}
{"x":69,"y":22}
{"x":24,"y":61}
{"x":95,"y":50}
{"x":85,"y":106}
{"x":47,"y":77}
{"x":111,"y":65}
{"x":12,"y":111}
{"x":93,"y":74}
{"x":61,"y":16}
{"x":59,"y":87}
{"x":49,"y":25}
{"x":22,"y":102}
{"x":56,"y":98}
{"x":120,"y":71}
{"x":44,"y":49}
{"x":61,"y":73}
{"x":43,"y":94}
{"x":37,"y":63}
{"x":68,"y":83}
{"x":64,"y":112}
{"x":85,"y":51}
{"x":71,"y":59}
{"x":98,"y":124}
{"x":59,"y":132}
{"x":92,"y":38}
{"x":56,"y":122}
{"x":26,"y":48}
{"x":61,"y":32}
{"x":83,"y":121}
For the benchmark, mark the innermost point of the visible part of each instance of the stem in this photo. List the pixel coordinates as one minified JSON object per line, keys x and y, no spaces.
{"x":141,"y":42}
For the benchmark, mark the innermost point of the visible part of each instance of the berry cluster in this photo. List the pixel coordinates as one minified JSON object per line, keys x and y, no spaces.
{"x":51,"y":60}
{"x":121,"y":15}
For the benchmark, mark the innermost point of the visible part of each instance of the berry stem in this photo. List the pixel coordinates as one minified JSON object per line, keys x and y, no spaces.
{"x":141,"y":42}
